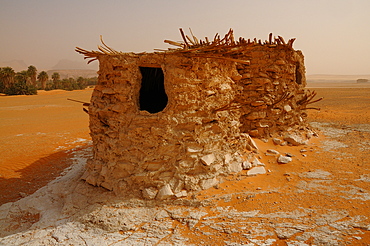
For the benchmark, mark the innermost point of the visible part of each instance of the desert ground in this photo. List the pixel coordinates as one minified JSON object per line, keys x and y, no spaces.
{"x":322,"y":197}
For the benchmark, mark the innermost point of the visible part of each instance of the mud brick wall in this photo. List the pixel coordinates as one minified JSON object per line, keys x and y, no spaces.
{"x":203,"y":133}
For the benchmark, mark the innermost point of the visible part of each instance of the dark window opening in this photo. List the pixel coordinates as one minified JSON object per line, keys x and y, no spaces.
{"x":153,"y":97}
{"x":298,"y":75}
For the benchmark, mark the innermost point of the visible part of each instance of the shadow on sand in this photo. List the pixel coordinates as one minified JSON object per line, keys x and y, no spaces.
{"x":35,"y":176}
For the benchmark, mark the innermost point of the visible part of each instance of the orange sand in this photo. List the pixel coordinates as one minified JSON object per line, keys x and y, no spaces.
{"x":37,"y":130}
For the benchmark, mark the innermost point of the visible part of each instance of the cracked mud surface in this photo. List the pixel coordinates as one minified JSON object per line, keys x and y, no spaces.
{"x":322,"y":197}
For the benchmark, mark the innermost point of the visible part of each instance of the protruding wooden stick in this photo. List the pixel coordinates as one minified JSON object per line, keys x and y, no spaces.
{"x":194,"y":38}
{"x":184,"y":38}
{"x":189,"y":39}
{"x":83,"y":103}
{"x":281,"y":40}
{"x":290,"y":42}
{"x":174,"y":43}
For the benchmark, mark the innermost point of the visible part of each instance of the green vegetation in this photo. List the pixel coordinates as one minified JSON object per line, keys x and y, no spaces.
{"x":27,"y":82}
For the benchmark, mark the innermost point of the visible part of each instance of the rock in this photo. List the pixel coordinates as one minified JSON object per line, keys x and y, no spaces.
{"x":256,"y":115}
{"x":294,"y":139}
{"x":162,"y":214}
{"x":208,"y":183}
{"x":289,"y":154}
{"x":247,"y":165}
{"x":108,"y":91}
{"x":246,"y":75}
{"x":285,"y":233}
{"x":251,"y":144}
{"x":254,"y":133}
{"x":256,"y":162}
{"x":237,"y":77}
{"x":287,"y":108}
{"x":228,"y":158}
{"x":257,"y":103}
{"x":256,"y":170}
{"x":22,"y":194}
{"x":149,"y":193}
{"x":208,"y":159}
{"x":280,"y":62}
{"x":235,"y":167}
{"x":165,"y":192}
{"x":284,"y":159}
{"x":194,"y":147}
{"x":272,"y":151}
{"x":277,"y":141}
{"x":182,"y":193}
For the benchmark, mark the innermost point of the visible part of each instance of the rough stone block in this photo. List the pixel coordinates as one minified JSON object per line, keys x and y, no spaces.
{"x":256,"y":170}
{"x":208,"y":159}
{"x":165,"y":192}
{"x":284,"y":159}
{"x":208,"y":183}
{"x":235,"y":167}
{"x":149,"y":193}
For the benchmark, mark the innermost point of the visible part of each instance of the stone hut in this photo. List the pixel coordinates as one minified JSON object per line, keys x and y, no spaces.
{"x":167,"y":123}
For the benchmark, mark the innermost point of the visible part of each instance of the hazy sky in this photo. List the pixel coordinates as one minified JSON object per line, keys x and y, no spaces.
{"x":334,"y":35}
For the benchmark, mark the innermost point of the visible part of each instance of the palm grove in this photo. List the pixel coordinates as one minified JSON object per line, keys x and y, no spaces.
{"x":27,"y":82}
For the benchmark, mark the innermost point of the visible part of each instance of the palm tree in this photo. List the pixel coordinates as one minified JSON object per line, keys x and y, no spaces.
{"x":21,"y":77}
{"x":81,"y":82}
{"x":55,"y":77}
{"x":7,"y":76}
{"x":32,"y":72}
{"x":43,"y":77}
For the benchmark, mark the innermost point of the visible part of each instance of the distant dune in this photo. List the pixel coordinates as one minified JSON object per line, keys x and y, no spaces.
{"x":73,"y":73}
{"x":61,"y":65}
{"x":344,"y":81}
{"x":335,"y":78}
{"x":65,"y":64}
{"x":17,"y":65}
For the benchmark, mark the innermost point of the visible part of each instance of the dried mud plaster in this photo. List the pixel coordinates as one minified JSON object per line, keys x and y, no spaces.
{"x":164,"y":124}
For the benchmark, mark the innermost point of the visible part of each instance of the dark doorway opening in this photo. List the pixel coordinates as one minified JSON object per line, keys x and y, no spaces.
{"x":153,"y":97}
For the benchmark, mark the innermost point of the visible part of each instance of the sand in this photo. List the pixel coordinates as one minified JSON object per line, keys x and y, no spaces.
{"x":322,"y":197}
{"x":35,"y":132}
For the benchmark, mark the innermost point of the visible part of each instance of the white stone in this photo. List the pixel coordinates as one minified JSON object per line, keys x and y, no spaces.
{"x":208,"y":159}
{"x":150,"y":193}
{"x":251,"y":144}
{"x":287,"y":108}
{"x":256,"y":170}
{"x":272,"y":151}
{"x":182,"y":193}
{"x":191,"y":150}
{"x":256,"y":162}
{"x":277,"y":141}
{"x":284,"y":159}
{"x":294,"y":139}
{"x":228,"y":158}
{"x":247,"y":165}
{"x":208,"y":183}
{"x":235,"y":167}
{"x":165,"y":192}
{"x":209,"y":93}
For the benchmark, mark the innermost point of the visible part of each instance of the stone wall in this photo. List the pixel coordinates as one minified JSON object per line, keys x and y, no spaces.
{"x":203,"y":133}
{"x":273,"y":91}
